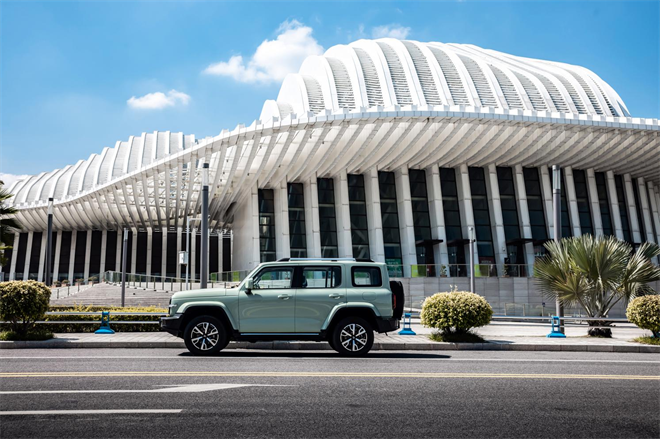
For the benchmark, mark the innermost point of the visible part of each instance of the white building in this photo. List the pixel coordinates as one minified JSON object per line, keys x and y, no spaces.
{"x":383,"y":148}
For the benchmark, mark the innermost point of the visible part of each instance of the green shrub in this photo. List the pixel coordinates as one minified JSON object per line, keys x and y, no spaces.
{"x":34,"y":335}
{"x":22,"y":303}
{"x":645,"y":312}
{"x":455,"y":312}
{"x":88,"y":327}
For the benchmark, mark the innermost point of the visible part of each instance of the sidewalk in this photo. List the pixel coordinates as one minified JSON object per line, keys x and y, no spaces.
{"x":499,"y":337}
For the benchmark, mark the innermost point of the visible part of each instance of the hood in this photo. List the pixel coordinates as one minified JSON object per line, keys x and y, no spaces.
{"x":196,"y":294}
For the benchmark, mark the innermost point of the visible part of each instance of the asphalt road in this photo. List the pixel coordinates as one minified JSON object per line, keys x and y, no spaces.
{"x":165,"y":393}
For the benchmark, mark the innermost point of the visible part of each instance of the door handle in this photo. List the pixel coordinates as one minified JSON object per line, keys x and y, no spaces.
{"x":335,"y":296}
{"x":283,"y":296}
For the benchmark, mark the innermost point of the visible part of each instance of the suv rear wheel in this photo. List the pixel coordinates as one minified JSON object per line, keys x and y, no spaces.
{"x":353,"y":336}
{"x":205,"y":335}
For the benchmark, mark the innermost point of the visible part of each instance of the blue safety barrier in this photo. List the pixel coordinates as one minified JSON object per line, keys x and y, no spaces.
{"x":407,"y":330}
{"x":105,"y":324}
{"x":556,"y":330}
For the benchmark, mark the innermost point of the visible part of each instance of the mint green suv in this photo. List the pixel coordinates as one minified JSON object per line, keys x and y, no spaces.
{"x":341,"y":301}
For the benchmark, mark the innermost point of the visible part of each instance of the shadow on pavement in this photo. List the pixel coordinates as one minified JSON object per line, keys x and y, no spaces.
{"x":317,"y":354}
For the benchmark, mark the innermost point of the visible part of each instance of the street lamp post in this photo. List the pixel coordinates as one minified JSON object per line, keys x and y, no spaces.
{"x":204,"y":269}
{"x":472,"y":259}
{"x":556,"y":203}
{"x":49,"y":243}
{"x":124,"y":256}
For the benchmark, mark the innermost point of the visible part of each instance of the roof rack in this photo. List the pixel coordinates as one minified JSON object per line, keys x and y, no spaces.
{"x":323,"y":259}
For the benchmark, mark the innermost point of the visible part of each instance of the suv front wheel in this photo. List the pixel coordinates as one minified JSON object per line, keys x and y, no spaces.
{"x":353,"y":336}
{"x":205,"y":335}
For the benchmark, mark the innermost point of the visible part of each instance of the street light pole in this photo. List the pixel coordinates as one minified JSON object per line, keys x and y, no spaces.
{"x":124,"y":256}
{"x":49,"y":244}
{"x":204,"y":269}
{"x":472,"y":259}
{"x":556,"y":203}
{"x":187,"y":251}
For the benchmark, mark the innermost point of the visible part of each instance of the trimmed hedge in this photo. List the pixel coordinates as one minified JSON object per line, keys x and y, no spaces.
{"x":22,"y":303}
{"x":644,"y":312}
{"x":456,"y":312}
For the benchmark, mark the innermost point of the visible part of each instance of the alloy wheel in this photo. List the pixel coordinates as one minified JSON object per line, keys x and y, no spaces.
{"x":353,"y":337}
{"x":204,"y":336}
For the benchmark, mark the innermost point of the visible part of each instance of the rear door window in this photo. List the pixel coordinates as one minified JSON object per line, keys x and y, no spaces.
{"x":366,"y":277}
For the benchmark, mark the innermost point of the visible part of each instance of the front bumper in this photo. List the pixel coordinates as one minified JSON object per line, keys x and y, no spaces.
{"x":172,"y":324}
{"x":386,"y":325}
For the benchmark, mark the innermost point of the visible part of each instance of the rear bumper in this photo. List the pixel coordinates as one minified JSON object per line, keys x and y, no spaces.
{"x":171,"y":324}
{"x":386,"y":325}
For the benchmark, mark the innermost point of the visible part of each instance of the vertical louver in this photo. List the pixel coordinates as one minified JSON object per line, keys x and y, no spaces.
{"x":424,"y":74}
{"x":374,"y":93}
{"x":399,"y":81}
{"x":508,"y":89}
{"x":575,"y":97}
{"x":533,"y":93}
{"x":480,"y":81}
{"x":454,"y":82}
{"x":314,"y":94}
{"x":589,"y":92}
{"x":555,"y":95}
{"x":345,"y":97}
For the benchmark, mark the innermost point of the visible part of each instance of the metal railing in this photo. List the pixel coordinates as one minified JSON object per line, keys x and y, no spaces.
{"x":461,"y":270}
{"x":163,"y":283}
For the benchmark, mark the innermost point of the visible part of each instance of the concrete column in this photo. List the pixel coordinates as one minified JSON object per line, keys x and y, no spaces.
{"x":406,"y":221}
{"x":88,"y":253}
{"x":496,"y":219}
{"x":374,"y":215}
{"x":596,"y":217}
{"x":72,"y":255}
{"x":163,"y":257}
{"x":632,"y":210}
{"x":343,"y":213}
{"x":28,"y":255}
{"x":465,"y":202}
{"x":104,"y":246}
{"x":523,"y":213}
{"x":14,"y":253}
{"x":179,"y":232}
{"x":546,"y":189}
{"x":193,"y":253}
{"x":437,"y":216}
{"x":149,"y":250}
{"x":655,"y":213}
{"x":572,"y":201}
{"x":646,"y":211}
{"x":614,"y":205}
{"x":231,"y":249}
{"x":312,"y":221}
{"x":58,"y":249}
{"x":134,"y":251}
{"x":42,"y":256}
{"x":282,"y":239}
{"x":246,"y":229}
{"x":119,"y":249}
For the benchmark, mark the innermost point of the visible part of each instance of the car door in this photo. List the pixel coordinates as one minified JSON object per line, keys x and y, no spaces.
{"x":319,"y":290}
{"x":269,"y":306}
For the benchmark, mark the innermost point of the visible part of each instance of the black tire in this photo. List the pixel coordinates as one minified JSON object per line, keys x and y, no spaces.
{"x":352,"y":337}
{"x":201,"y":332}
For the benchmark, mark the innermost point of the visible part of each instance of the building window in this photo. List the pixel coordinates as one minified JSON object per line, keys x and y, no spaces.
{"x":453,"y":228}
{"x":483,"y":231}
{"x":582,"y":196}
{"x":421,"y":219}
{"x":515,"y":246}
{"x":266,"y":225}
{"x":623,"y":209}
{"x":535,"y":209}
{"x":566,"y":230}
{"x":358,"y":209}
{"x":640,"y":213}
{"x":655,"y":231}
{"x":327,"y":217}
{"x":603,"y":203}
{"x":297,"y":237}
{"x":390,"y":216}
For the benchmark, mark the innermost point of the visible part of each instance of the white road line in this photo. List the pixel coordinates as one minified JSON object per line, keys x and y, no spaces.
{"x":86,"y":412}
{"x":192,"y":388}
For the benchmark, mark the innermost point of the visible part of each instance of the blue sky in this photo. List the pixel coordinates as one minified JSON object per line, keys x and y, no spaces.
{"x":76,"y":77}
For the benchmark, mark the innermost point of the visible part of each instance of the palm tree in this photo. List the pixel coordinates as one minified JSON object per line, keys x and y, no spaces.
{"x":8,"y":225}
{"x":596,"y":273}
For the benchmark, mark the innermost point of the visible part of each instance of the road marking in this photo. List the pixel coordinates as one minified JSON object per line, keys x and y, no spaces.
{"x":86,"y":412}
{"x":193,"y":388}
{"x":323,"y":375}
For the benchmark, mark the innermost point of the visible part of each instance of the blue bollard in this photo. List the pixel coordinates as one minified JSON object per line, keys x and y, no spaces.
{"x":105,"y":324}
{"x":556,"y":333}
{"x":407,"y":330}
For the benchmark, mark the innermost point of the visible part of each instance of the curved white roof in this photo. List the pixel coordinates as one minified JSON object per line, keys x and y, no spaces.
{"x":386,"y":72}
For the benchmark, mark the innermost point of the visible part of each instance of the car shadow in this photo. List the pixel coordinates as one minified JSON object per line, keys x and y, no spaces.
{"x":244,"y":353}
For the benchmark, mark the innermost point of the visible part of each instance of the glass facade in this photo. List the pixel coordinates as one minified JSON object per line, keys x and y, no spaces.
{"x":515,"y":246}
{"x":604,"y":204}
{"x":655,"y":231}
{"x":390,"y":216}
{"x":297,"y":237}
{"x":638,"y":209}
{"x":421,"y":219}
{"x":623,"y":209}
{"x":582,"y":197}
{"x":483,"y":231}
{"x":266,"y":225}
{"x":453,"y":228}
{"x":327,"y":217}
{"x":536,"y":210}
{"x":566,"y":230}
{"x":358,"y":209}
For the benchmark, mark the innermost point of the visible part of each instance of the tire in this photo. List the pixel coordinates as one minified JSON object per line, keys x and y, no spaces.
{"x":352,"y":337}
{"x":201,"y":333}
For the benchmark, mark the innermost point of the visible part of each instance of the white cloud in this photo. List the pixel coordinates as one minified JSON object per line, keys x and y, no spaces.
{"x":273,"y":59}
{"x":390,"y":31}
{"x":159,"y":100}
{"x":9,"y":179}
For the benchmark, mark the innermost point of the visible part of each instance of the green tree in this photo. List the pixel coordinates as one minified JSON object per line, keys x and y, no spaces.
{"x":596,"y":273}
{"x":8,"y":224}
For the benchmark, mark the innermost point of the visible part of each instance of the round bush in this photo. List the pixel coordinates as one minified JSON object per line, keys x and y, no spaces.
{"x":456,"y":312}
{"x":645,"y":312}
{"x":22,"y":303}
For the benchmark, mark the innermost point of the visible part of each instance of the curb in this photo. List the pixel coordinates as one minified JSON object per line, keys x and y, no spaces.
{"x":295,"y":346}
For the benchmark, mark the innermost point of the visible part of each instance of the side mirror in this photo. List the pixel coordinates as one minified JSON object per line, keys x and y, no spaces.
{"x":249,"y":286}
